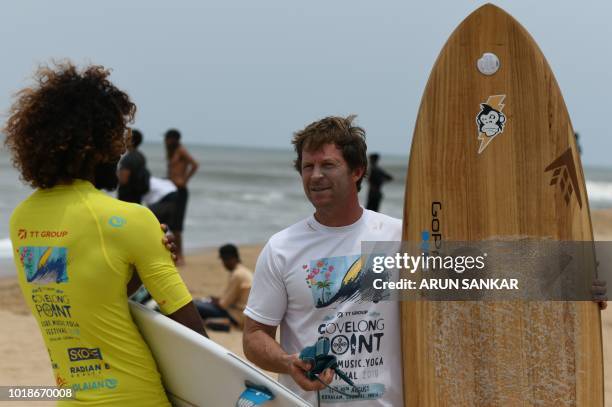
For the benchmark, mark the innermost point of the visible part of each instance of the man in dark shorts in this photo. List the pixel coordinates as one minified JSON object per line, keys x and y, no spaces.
{"x":133,"y":173}
{"x":181,"y":167}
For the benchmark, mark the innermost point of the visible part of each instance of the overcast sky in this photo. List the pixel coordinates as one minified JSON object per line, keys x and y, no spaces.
{"x":251,"y":72}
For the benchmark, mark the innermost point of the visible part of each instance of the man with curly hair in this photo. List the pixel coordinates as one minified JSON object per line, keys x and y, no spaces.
{"x":76,"y":248}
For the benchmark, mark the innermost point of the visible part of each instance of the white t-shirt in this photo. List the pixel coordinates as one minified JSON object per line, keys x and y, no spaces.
{"x":158,"y":188}
{"x":302,"y":282}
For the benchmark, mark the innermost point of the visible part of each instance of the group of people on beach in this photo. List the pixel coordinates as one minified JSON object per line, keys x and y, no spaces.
{"x":67,"y":134}
{"x":167,"y":198}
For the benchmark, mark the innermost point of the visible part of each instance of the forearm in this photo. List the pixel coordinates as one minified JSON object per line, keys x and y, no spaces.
{"x":188,"y":315}
{"x":265,"y":352}
{"x":192,"y":170}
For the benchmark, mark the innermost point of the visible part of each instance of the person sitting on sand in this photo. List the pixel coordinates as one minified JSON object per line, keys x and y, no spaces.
{"x":76,"y":248}
{"x":233,"y":301}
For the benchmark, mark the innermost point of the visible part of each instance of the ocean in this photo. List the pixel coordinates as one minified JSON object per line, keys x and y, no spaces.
{"x":244,"y":195}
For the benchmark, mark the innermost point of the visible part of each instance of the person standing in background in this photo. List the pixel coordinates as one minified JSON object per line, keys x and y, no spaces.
{"x":181,"y":167}
{"x":133,"y":173}
{"x":377,"y":178}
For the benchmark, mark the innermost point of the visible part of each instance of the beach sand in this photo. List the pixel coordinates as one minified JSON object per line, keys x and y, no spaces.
{"x":25,"y":360}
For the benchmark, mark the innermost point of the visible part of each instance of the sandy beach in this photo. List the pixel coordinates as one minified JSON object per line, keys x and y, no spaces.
{"x":25,"y":360}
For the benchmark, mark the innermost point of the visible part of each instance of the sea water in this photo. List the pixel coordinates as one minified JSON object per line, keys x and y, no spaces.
{"x":243,"y":195}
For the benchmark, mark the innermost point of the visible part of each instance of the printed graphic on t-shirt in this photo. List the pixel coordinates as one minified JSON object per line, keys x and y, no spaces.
{"x":357,"y":340}
{"x":333,"y":279}
{"x":53,"y":309}
{"x":44,"y":265}
{"x":355,"y":333}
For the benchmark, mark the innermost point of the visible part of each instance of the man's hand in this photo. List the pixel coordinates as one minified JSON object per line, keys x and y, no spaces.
{"x":298,"y":369}
{"x":261,"y":348}
{"x":599,"y":292}
{"x":168,"y":241}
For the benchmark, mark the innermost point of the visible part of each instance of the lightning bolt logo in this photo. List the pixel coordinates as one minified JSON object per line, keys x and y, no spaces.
{"x":490,"y":120}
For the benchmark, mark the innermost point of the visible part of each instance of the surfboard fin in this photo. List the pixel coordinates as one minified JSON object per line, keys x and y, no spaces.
{"x":254,"y":395}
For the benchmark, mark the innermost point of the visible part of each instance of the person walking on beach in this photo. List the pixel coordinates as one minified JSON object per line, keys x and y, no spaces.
{"x":303,"y":279}
{"x":233,"y":301}
{"x":133,"y":173}
{"x":376,"y":179}
{"x":75,"y":247}
{"x":181,"y":167}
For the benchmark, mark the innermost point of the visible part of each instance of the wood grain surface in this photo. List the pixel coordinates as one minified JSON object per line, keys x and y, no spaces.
{"x":527,"y":181}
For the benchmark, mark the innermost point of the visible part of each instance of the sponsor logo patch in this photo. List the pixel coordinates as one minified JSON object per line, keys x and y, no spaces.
{"x":76,"y":354}
{"x":490,"y":120}
{"x":116,"y":221}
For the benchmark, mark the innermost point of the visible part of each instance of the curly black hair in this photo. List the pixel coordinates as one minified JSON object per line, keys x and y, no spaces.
{"x":68,"y":122}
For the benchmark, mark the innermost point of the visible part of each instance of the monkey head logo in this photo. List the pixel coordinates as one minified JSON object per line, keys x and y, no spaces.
{"x":490,"y":120}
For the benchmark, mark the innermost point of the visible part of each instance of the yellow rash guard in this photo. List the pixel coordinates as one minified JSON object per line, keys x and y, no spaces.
{"x":74,"y":248}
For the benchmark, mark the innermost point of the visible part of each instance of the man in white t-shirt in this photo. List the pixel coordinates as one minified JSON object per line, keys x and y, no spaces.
{"x":307,"y":279}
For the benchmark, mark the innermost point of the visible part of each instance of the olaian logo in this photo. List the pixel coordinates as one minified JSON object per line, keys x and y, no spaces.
{"x":117,"y":221}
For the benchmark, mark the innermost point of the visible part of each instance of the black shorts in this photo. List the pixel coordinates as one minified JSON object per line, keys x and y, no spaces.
{"x":165,"y":210}
{"x":181,"y":208}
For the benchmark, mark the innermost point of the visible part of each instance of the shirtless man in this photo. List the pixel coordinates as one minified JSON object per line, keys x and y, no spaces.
{"x":181,"y":167}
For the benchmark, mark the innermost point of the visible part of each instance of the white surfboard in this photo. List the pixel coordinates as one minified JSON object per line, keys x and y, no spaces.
{"x":199,"y":372}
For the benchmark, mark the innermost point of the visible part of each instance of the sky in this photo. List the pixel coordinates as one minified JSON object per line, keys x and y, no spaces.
{"x":252,"y":72}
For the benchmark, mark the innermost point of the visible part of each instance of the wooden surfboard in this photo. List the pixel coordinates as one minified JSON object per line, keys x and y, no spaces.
{"x":496,"y":151}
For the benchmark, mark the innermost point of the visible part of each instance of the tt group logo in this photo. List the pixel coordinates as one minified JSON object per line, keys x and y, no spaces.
{"x":431,"y":240}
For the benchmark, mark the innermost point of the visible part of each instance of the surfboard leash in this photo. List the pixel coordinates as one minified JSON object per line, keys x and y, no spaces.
{"x":319,"y":358}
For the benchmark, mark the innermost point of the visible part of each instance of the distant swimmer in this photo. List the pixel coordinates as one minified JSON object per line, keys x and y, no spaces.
{"x":66,"y":134}
{"x":181,"y":167}
{"x":376,"y":179}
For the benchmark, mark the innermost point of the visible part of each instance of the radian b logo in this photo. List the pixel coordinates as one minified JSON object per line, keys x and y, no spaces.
{"x":490,"y":120}
{"x":565,"y":177}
